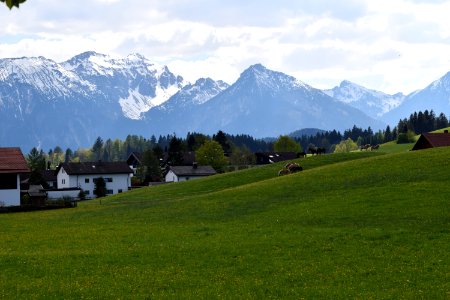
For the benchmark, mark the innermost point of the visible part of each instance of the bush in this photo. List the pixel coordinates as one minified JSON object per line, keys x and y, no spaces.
{"x":82,"y":195}
{"x":406,"y":138}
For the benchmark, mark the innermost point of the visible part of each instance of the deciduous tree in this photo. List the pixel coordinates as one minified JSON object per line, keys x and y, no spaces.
{"x":346,"y":146}
{"x":286,"y":144}
{"x":211,"y":153}
{"x":12,"y":3}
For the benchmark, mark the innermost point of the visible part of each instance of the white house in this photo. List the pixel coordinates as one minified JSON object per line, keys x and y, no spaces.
{"x":117,"y":176}
{"x":12,"y":164}
{"x":184,"y":173}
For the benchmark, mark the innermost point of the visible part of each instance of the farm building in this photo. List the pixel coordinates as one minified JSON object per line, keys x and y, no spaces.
{"x":184,"y":173}
{"x":83,"y":175}
{"x":12,"y":165}
{"x":432,"y":140}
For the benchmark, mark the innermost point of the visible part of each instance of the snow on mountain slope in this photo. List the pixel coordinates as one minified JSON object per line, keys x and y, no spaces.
{"x":195,"y":94}
{"x":44,"y":75}
{"x":262,"y":103}
{"x":436,"y":97}
{"x":373,"y":103}
{"x":137,"y":84}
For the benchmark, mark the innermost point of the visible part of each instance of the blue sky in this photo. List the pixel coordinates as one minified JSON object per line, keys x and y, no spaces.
{"x":388,"y":45}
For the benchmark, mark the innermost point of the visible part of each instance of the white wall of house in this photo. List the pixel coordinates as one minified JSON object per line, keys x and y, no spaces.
{"x":11,"y":197}
{"x":58,"y":194}
{"x":172,"y":177}
{"x":115,"y":183}
{"x":63,"y":180}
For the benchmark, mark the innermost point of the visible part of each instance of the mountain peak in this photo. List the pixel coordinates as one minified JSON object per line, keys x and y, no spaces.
{"x":86,"y":55}
{"x":259,"y":75}
{"x":372,"y":102}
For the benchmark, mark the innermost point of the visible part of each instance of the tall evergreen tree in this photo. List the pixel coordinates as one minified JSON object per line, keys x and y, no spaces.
{"x":100,"y":187}
{"x":97,"y":148}
{"x":176,"y":152}
{"x":387,"y":134}
{"x":221,"y":138}
{"x":36,"y":163}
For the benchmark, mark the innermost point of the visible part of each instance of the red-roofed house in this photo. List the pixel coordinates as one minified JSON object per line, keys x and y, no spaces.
{"x":432,"y":140}
{"x":12,"y":164}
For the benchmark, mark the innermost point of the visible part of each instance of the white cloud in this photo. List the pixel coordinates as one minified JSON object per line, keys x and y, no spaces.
{"x":391,"y":45}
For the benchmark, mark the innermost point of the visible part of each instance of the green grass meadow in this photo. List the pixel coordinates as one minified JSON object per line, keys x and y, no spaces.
{"x":363,"y":225}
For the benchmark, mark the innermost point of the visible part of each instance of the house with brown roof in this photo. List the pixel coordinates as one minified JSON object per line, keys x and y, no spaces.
{"x":12,"y":165}
{"x":432,"y":140}
{"x":117,"y":176}
{"x":184,"y":173}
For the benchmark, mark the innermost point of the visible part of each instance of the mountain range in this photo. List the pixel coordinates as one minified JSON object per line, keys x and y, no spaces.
{"x":44,"y":103}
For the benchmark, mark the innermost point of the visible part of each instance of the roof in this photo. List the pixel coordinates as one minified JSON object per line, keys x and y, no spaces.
{"x":36,"y":191}
{"x":134,"y":157}
{"x":191,"y":171}
{"x":12,"y":161}
{"x":49,"y":175}
{"x":432,"y":140}
{"x":98,"y":168}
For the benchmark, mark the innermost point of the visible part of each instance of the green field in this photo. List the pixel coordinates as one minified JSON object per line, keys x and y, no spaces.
{"x":362,"y":225}
{"x":393,"y":147}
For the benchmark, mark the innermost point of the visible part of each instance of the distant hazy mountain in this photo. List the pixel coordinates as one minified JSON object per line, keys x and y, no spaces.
{"x":267,"y":103}
{"x":45,"y":103}
{"x":434,"y":97}
{"x":306,"y":132}
{"x":373,"y":103}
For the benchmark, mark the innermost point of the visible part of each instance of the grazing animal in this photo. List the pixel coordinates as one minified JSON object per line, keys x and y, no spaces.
{"x":290,"y":168}
{"x":283,"y":172}
{"x":365,"y":147}
{"x":312,"y":150}
{"x":301,"y":154}
{"x":321,"y":150}
{"x":376,"y":147}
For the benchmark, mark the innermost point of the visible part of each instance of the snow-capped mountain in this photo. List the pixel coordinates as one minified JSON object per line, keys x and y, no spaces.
{"x":435,"y":96}
{"x":69,"y":104}
{"x":267,"y":103}
{"x":45,"y":103}
{"x":139,"y":84}
{"x":373,"y":103}
{"x":194,"y":94}
{"x":181,"y":107}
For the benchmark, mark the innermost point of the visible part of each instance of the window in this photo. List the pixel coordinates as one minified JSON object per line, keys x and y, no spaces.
{"x":119,"y":191}
{"x":108,"y":179}
{"x":8,"y":181}
{"x":87,"y":192}
{"x":86,"y":180}
{"x":63,"y":181}
{"x":109,"y":192}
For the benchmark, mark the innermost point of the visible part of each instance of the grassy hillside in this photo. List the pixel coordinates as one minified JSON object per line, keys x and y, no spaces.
{"x":441,"y":130}
{"x":393,"y":147}
{"x":359,"y":225}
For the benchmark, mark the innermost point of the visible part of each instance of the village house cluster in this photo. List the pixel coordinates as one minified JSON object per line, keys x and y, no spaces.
{"x":69,"y":179}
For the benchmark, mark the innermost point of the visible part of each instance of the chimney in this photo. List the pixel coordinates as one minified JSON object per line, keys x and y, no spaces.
{"x":194,"y":165}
